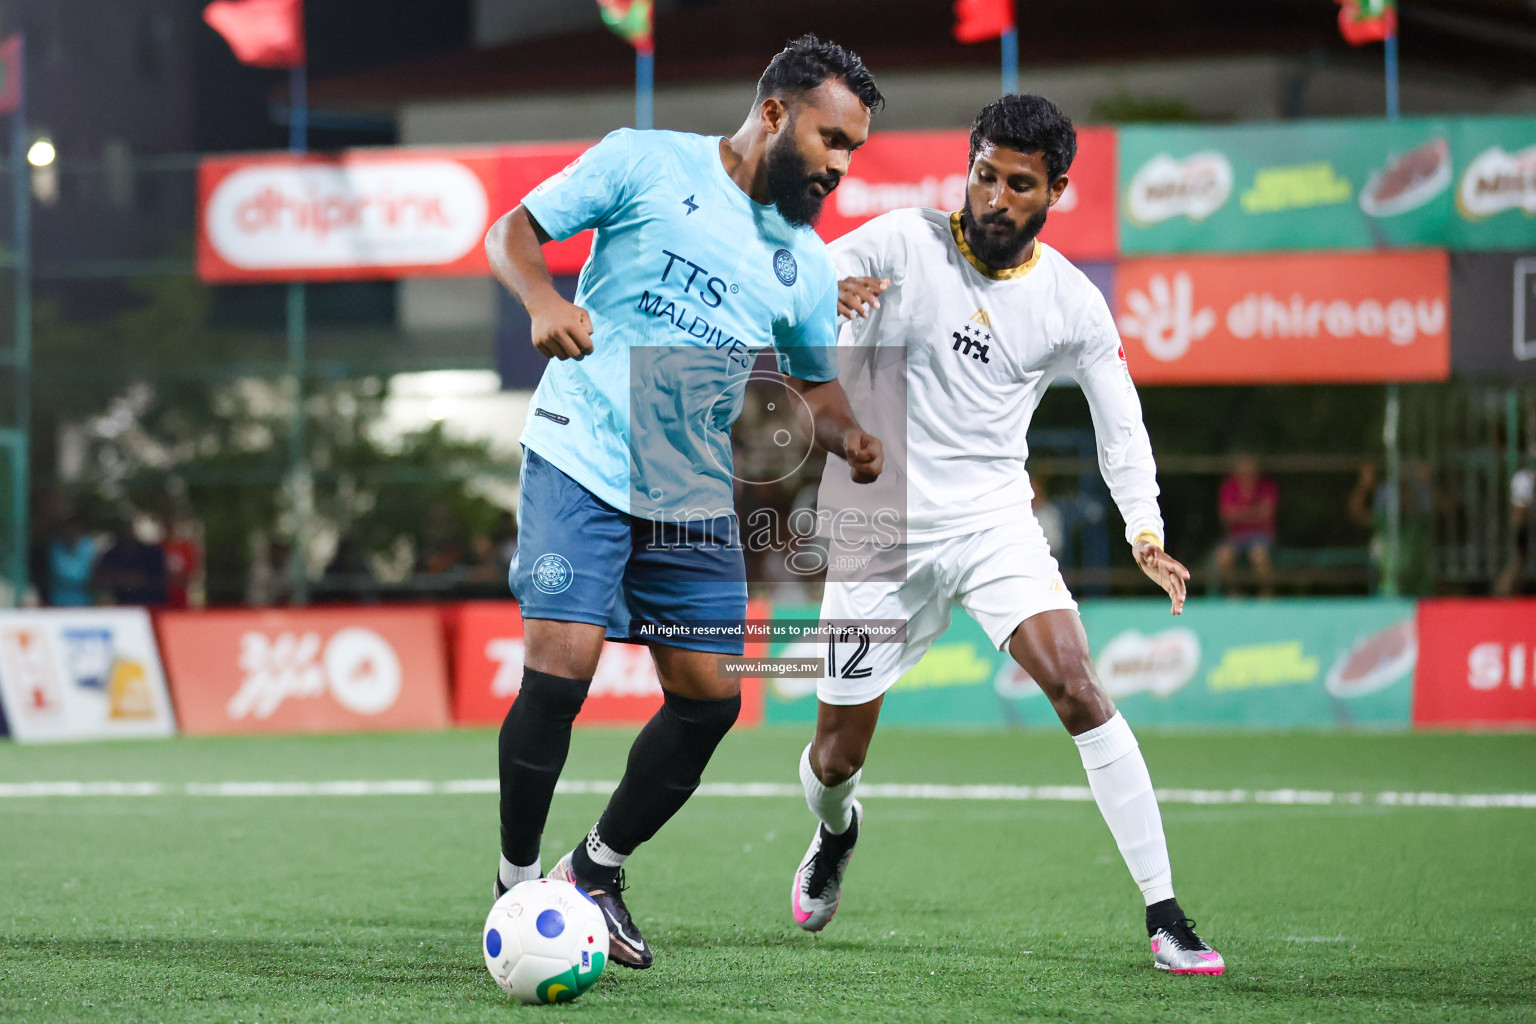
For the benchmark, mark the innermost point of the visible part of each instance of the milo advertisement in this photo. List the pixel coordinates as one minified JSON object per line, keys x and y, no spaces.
{"x":1275,"y":664}
{"x":1338,"y":184}
{"x":1278,"y":664}
{"x":1495,"y":188}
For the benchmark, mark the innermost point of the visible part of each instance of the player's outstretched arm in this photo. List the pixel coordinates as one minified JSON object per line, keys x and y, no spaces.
{"x":828,"y":420}
{"x":561,"y":330}
{"x":1164,"y":570}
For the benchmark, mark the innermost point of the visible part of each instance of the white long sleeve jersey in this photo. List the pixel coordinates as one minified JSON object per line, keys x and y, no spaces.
{"x":949,"y":371}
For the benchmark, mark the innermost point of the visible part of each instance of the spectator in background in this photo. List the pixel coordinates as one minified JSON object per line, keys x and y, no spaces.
{"x":267,"y":585}
{"x":1247,"y":503}
{"x":184,"y":565}
{"x":1515,"y":577}
{"x":71,"y":563}
{"x":1370,"y":506}
{"x":131,"y":571}
{"x":346,"y":578}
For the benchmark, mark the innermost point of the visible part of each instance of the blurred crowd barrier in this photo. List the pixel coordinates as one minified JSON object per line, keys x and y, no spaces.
{"x":1380,"y":664}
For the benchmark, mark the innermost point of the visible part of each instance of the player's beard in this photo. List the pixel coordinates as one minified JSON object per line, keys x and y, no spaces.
{"x":790,"y":179}
{"x":1001,"y":247}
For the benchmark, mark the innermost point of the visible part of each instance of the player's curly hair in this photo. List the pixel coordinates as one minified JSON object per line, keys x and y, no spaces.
{"x":1028,"y":124}
{"x":807,"y":62}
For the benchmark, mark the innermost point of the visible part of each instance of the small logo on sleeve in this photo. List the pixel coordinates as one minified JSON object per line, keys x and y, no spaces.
{"x":552,"y":574}
{"x":555,"y":179}
{"x":556,"y":417}
{"x":784,"y":266}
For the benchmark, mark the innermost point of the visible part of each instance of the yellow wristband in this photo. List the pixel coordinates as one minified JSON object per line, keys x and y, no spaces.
{"x":1149,"y":536}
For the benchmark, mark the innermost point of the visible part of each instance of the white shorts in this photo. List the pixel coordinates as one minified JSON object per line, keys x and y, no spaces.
{"x":1000,"y":576}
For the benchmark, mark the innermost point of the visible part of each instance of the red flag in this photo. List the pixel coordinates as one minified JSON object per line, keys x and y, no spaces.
{"x":1367,"y":21}
{"x":10,"y":75}
{"x":266,"y":33}
{"x":979,"y":20}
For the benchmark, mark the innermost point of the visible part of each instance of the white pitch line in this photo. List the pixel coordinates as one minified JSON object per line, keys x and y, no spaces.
{"x":14,"y":789}
{"x":1068,"y":794}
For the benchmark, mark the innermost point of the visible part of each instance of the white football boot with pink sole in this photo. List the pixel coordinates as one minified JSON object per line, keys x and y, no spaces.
{"x":1176,"y":948}
{"x":819,"y":881}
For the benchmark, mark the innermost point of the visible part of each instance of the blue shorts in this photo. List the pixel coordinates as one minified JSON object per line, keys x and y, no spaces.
{"x":579,"y":559}
{"x":1243,"y":545}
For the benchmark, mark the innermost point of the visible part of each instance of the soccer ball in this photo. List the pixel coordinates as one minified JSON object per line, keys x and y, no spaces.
{"x":545,"y":942}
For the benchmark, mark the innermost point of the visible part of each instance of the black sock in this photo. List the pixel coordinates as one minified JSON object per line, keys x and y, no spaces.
{"x":837,"y":845}
{"x":535,"y":737}
{"x":664,"y":767}
{"x":1163,"y":913}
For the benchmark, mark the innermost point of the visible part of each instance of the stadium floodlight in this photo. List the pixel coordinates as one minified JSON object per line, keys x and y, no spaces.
{"x":43,"y":156}
{"x":42,"y":152}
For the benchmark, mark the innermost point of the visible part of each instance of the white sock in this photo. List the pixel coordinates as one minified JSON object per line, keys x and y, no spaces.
{"x":511,"y":874}
{"x":834,"y":804}
{"x":602,"y":853}
{"x":1117,"y":774}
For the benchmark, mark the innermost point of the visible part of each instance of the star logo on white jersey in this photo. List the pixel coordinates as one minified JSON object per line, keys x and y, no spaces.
{"x":975,"y":340}
{"x":1164,"y":317}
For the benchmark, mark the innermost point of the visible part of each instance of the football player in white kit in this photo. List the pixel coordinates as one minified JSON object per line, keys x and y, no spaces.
{"x":980,"y":317}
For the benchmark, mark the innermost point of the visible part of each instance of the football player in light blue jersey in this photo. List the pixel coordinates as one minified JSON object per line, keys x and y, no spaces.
{"x":703,"y":258}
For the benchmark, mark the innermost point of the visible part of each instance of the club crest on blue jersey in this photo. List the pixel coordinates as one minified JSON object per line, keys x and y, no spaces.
{"x":784,"y":266}
{"x":552,"y":574}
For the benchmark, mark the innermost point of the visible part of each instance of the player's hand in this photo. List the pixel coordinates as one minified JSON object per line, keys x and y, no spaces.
{"x":561,"y":330}
{"x":859,"y":296}
{"x":865,"y":455}
{"x":1164,"y":570}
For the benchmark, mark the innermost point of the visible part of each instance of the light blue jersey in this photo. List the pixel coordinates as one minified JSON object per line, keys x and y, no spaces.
{"x":688,"y":281}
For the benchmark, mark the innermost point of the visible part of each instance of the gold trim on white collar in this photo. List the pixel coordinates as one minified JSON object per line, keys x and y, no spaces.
{"x":1005,"y":274}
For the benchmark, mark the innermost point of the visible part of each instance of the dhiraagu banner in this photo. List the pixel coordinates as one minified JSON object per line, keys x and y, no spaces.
{"x":1316,"y":185}
{"x":1276,"y":664}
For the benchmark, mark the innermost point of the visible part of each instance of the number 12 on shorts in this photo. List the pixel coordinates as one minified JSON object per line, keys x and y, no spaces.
{"x":855,"y":645}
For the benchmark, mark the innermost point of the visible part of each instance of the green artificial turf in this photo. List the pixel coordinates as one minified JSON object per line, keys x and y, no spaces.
{"x":328,"y":908}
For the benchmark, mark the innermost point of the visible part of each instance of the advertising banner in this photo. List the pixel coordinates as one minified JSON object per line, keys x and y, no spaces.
{"x":1495,"y":183}
{"x":306,"y":670}
{"x":894,"y":170}
{"x":82,"y":674}
{"x":365,"y":214}
{"x":1276,"y":665}
{"x":393,"y":213}
{"x":1338,"y":318}
{"x":1477,"y":666}
{"x":523,"y":168}
{"x":1362,"y":184}
{"x":488,"y":672}
{"x":1493,"y":314}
